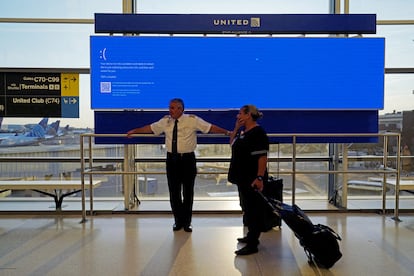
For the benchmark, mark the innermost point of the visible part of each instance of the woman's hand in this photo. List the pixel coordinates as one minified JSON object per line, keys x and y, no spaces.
{"x":258,"y":184}
{"x":239,"y":124}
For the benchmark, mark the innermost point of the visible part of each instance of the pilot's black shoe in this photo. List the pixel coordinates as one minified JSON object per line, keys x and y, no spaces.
{"x":177,"y":227}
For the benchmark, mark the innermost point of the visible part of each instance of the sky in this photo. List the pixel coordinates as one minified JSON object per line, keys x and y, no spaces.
{"x":66,"y":46}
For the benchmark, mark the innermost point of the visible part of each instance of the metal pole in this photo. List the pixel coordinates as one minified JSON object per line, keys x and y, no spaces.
{"x":90,"y":176}
{"x":344,"y":201}
{"x":126,"y":177}
{"x":397,"y":181}
{"x":346,"y":6}
{"x":82,"y":179}
{"x":293,"y":168}
{"x":384,"y":176}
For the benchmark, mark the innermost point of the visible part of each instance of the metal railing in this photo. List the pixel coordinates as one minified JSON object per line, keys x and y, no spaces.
{"x":87,"y":160}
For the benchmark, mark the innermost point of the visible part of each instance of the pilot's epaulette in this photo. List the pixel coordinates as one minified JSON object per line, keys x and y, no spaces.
{"x":191,"y":115}
{"x":166,"y":116}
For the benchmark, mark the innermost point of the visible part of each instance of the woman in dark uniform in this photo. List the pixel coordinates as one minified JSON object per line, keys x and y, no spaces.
{"x":250,"y":145}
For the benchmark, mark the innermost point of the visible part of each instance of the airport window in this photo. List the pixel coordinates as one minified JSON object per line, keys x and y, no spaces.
{"x":385,"y":10}
{"x":232,"y":6}
{"x":398,"y":45}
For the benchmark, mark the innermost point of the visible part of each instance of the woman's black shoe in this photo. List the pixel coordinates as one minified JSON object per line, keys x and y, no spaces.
{"x":247,"y":250}
{"x":242,"y":240}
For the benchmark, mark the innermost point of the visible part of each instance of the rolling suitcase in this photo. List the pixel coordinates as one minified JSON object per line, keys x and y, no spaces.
{"x":319,"y":241}
{"x":273,"y":189}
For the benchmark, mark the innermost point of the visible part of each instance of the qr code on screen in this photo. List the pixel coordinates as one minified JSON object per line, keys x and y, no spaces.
{"x":106,"y":87}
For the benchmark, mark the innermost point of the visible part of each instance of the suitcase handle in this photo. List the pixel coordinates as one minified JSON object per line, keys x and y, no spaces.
{"x":274,"y":204}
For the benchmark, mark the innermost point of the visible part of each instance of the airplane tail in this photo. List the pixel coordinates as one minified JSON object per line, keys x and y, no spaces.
{"x":53,"y":128}
{"x":43,"y":122}
{"x":39,"y":130}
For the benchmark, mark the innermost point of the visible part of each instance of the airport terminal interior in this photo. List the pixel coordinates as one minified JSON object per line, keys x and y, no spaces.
{"x":111,"y":213}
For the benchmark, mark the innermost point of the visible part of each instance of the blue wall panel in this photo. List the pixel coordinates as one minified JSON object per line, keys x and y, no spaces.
{"x":330,"y":121}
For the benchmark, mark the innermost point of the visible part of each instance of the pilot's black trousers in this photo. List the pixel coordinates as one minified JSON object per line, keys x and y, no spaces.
{"x":181,"y":173}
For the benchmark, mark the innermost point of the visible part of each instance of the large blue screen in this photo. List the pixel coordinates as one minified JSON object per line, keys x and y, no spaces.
{"x":228,"y":72}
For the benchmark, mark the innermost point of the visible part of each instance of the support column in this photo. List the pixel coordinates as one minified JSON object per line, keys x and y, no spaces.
{"x":129,"y":180}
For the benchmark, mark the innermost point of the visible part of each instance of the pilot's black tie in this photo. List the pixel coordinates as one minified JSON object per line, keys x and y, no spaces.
{"x":174,"y":138}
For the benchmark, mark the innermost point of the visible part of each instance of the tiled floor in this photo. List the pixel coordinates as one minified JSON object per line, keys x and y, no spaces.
{"x":144,"y":244}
